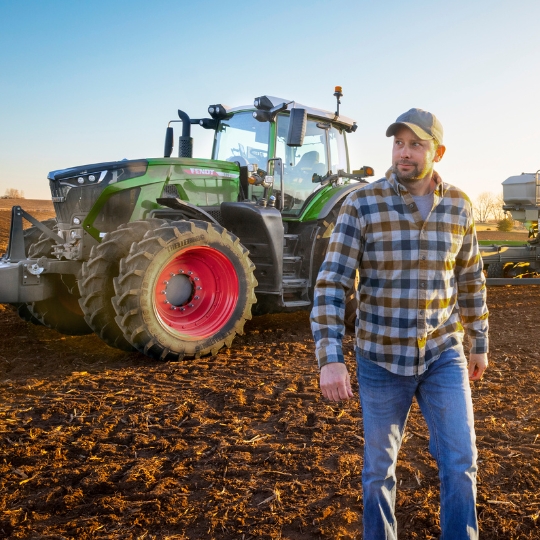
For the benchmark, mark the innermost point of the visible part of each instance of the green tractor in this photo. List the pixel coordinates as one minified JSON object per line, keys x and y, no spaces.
{"x":170,"y":256}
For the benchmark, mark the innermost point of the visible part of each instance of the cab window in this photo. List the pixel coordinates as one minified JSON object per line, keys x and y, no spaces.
{"x":338,"y":150}
{"x":301,"y":163}
{"x":243,"y":139}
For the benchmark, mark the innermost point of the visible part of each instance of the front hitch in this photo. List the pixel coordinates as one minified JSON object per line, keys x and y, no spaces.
{"x":16,"y":250}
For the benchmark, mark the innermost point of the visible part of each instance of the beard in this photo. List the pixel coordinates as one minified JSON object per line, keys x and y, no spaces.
{"x":414,"y":173}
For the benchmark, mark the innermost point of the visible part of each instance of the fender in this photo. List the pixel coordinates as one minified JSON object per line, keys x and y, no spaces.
{"x":186,"y":210}
{"x":338,"y":197}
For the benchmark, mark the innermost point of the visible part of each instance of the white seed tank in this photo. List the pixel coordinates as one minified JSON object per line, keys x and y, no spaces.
{"x":522,"y":189}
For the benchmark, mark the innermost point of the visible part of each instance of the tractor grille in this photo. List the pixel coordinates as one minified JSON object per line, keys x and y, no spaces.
{"x":117,"y":210}
{"x":69,"y":201}
{"x":76,"y":190}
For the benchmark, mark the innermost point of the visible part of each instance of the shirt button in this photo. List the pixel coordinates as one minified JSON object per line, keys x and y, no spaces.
{"x":423,"y":285}
{"x":423,"y":257}
{"x":411,"y":205}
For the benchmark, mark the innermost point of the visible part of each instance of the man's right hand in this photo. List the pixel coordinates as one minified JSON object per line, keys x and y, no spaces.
{"x":336,"y":382}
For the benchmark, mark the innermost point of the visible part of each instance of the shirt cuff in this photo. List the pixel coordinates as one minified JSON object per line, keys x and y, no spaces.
{"x":480,"y":345}
{"x":330,"y":355}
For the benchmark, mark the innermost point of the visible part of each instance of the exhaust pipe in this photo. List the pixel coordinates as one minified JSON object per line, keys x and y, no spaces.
{"x":185,"y":141}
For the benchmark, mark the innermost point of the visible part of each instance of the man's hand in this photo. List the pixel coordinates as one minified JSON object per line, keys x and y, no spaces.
{"x":336,"y":382}
{"x":477,"y":365}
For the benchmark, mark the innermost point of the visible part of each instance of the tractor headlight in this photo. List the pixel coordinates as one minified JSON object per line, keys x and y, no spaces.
{"x":218,"y":112}
{"x":85,"y":179}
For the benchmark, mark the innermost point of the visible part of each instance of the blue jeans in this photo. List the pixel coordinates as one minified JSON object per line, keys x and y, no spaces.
{"x":444,"y":395}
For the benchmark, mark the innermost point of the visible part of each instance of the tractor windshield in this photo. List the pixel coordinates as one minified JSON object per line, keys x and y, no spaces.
{"x":242,"y":138}
{"x":324,"y":150}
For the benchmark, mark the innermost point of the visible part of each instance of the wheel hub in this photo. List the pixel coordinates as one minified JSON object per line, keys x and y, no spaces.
{"x":179,"y":290}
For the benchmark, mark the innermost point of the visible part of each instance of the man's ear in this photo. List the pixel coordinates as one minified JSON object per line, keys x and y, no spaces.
{"x":439,"y":153}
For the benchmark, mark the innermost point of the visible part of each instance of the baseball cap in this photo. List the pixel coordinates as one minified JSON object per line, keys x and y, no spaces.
{"x":424,"y":124}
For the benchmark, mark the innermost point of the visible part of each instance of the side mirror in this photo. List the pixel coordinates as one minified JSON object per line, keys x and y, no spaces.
{"x":169,"y":138}
{"x":297,"y":127}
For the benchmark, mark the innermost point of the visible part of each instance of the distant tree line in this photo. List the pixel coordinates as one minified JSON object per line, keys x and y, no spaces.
{"x":488,"y":206}
{"x":12,"y":193}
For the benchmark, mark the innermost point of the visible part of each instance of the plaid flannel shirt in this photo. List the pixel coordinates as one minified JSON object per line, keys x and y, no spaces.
{"x":421,"y":282}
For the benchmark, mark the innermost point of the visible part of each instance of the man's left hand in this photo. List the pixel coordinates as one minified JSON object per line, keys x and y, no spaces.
{"x":477,"y":365}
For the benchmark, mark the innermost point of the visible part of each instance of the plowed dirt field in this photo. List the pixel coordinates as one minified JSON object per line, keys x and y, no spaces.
{"x":97,"y":443}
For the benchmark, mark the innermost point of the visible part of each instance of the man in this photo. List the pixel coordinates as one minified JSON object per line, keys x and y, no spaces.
{"x":412,"y":239}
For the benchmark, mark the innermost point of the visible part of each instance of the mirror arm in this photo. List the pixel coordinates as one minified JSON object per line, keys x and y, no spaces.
{"x":330,"y":178}
{"x":323,"y":180}
{"x":352,"y":176}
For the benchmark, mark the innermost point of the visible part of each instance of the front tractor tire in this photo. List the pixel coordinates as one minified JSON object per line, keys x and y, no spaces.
{"x":185,"y":290}
{"x":32,"y":236}
{"x":61,"y":311}
{"x":96,"y":286}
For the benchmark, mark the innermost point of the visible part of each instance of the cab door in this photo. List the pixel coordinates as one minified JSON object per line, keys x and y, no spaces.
{"x":301,"y":163}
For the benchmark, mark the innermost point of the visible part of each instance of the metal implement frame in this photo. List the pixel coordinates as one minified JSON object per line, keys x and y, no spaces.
{"x":16,"y":251}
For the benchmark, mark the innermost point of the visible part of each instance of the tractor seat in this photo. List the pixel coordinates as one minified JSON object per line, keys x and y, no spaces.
{"x":308,"y":160}
{"x":239,"y":159}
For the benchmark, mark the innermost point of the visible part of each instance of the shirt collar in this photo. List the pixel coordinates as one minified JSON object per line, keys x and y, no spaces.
{"x":400,"y":188}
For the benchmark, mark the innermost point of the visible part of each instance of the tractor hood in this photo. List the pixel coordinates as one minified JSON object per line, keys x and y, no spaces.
{"x":98,"y":172}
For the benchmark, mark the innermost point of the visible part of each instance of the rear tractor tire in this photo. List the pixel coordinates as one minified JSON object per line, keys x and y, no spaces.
{"x":96,"y":285}
{"x":185,"y":290}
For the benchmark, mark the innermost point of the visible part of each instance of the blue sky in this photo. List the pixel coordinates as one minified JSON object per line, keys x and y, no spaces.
{"x":90,"y":81}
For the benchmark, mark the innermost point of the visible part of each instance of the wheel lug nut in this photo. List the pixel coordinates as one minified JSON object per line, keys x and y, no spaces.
{"x":162,"y":292}
{"x":190,"y":305}
{"x":190,"y":273}
{"x":172,"y":274}
{"x":196,"y":279}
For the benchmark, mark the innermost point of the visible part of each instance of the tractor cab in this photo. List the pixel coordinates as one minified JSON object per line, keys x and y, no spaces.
{"x":300,"y":147}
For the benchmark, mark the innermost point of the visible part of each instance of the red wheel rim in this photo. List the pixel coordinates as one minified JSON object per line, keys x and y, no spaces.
{"x":214,"y":293}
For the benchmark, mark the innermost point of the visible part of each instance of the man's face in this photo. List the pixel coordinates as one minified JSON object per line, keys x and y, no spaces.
{"x":413,"y":158}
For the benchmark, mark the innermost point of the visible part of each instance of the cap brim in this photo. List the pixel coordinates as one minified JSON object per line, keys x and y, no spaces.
{"x":418,"y":131}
